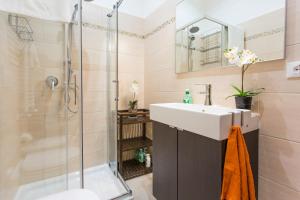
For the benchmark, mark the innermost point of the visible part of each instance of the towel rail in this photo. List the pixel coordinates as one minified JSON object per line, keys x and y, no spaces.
{"x":233,"y":118}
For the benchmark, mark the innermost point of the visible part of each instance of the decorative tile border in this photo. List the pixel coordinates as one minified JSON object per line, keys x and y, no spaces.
{"x":130,"y":34}
{"x":104,"y":28}
{"x":160,"y":27}
{"x":264,"y":34}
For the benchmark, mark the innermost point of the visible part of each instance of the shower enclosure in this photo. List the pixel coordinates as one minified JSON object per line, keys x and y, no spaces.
{"x":59,"y":97}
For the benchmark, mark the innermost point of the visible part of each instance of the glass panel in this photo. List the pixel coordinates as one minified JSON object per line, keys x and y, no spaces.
{"x":100,"y":91}
{"x":41,"y":116}
{"x":32,"y":111}
{"x":112,"y":84}
{"x":73,"y":97}
{"x":33,"y":121}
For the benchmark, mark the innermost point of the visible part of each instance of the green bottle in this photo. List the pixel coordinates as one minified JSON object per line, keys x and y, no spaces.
{"x":140,"y":156}
{"x":187,"y":98}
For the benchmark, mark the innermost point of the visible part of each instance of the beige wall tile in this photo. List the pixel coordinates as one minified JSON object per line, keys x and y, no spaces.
{"x":94,"y":39}
{"x":163,"y":58}
{"x":131,"y":64}
{"x":125,"y":94}
{"x":95,"y":80}
{"x":131,"y":23}
{"x":131,"y":45}
{"x":280,"y":115}
{"x":94,"y":122}
{"x":160,"y":40}
{"x":94,"y":57}
{"x":269,"y":190}
{"x":279,"y":161}
{"x":95,"y":101}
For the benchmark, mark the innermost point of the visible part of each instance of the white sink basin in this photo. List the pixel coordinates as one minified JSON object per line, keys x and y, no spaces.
{"x":210,"y":121}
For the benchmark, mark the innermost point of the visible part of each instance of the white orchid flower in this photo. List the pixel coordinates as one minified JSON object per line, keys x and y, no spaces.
{"x":240,"y":58}
{"x":134,"y":87}
{"x":248,"y":57}
{"x":233,"y":56}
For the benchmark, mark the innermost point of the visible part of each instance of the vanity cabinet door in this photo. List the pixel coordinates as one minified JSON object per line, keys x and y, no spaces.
{"x":199,"y":167}
{"x":164,"y":162}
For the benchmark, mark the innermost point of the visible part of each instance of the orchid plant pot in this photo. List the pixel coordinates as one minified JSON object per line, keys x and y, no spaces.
{"x":133,"y":107}
{"x":243,"y":102}
{"x":243,"y":59}
{"x":133,"y":103}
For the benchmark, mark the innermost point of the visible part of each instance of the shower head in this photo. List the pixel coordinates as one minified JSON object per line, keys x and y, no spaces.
{"x":194,"y":29}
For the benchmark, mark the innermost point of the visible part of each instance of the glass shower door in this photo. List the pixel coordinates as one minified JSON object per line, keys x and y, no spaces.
{"x":33,"y":118}
{"x":32,"y":109}
{"x":112,"y":88}
{"x":100,"y":87}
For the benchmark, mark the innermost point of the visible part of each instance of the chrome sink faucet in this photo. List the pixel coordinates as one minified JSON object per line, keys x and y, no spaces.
{"x":207,"y":94}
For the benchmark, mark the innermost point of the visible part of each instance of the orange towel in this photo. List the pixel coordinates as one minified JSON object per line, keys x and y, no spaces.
{"x":238,"y":183}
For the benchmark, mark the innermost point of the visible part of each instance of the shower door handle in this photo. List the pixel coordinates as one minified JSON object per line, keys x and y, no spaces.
{"x":117,"y":88}
{"x":75,"y":89}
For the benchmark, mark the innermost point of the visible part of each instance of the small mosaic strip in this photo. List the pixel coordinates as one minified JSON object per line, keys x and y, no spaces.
{"x":94,"y":26}
{"x":129,"y":34}
{"x":159,"y":28}
{"x":103,"y":28}
{"x":265,"y":34}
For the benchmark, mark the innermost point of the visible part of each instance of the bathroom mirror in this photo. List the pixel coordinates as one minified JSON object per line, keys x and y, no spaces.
{"x":205,"y":28}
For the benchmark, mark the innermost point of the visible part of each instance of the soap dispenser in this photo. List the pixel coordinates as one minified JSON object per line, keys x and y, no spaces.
{"x":187,"y":97}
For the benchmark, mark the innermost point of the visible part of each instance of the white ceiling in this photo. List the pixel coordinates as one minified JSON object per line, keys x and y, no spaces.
{"x":139,"y":8}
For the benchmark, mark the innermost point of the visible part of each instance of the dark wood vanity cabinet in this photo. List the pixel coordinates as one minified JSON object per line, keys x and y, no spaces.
{"x":188,"y":166}
{"x":199,"y":167}
{"x":164,"y":161}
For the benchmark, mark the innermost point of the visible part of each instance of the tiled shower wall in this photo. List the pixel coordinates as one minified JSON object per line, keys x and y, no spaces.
{"x":32,"y":117}
{"x":279,"y":176}
{"x":8,"y":125}
{"x":32,"y":121}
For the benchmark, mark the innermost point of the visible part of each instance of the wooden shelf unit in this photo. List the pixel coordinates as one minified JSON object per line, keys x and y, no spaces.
{"x":132,"y":168}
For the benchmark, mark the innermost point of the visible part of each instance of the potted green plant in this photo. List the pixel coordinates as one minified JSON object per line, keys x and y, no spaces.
{"x":133,"y":102}
{"x":243,"y":59}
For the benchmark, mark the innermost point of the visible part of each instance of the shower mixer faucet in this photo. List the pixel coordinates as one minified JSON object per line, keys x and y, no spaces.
{"x":52,"y":82}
